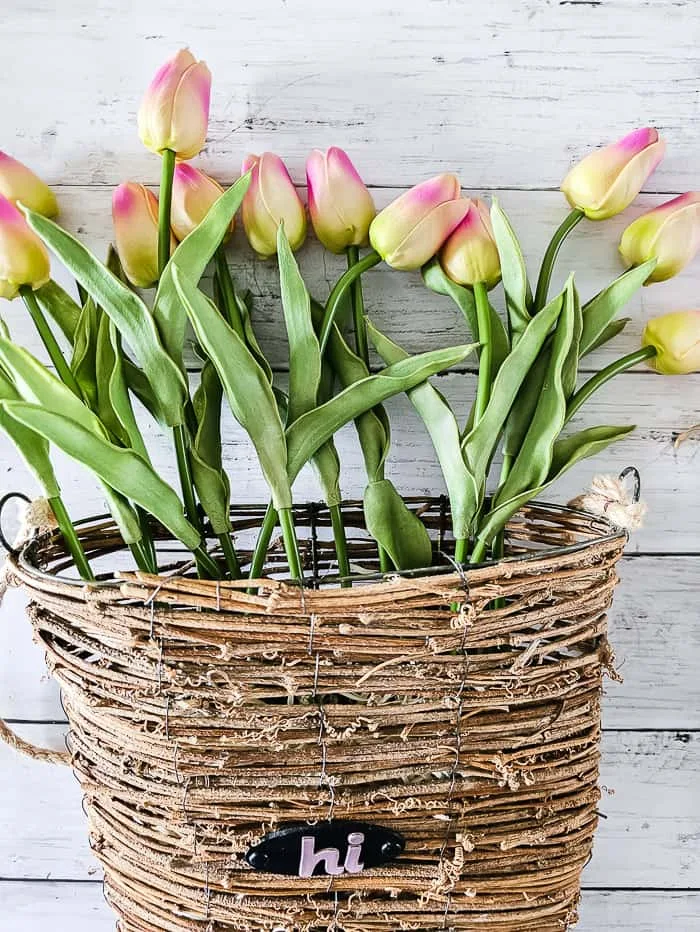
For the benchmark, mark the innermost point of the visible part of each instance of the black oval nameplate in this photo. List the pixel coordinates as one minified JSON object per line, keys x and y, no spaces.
{"x":327,"y":849}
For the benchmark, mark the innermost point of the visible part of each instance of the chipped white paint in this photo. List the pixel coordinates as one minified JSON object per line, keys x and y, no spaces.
{"x":507,"y":93}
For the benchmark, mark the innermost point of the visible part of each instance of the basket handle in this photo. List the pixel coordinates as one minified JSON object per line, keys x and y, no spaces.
{"x":11,"y":738}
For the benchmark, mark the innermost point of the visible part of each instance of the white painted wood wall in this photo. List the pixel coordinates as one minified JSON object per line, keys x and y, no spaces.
{"x":507,"y":93}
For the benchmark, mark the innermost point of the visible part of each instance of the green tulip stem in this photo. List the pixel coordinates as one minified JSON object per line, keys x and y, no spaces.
{"x":598,"y":380}
{"x":165,"y":203}
{"x":483,"y":316}
{"x":479,"y":551}
{"x":49,"y":340}
{"x":205,"y":565}
{"x":228,"y":292}
{"x":341,"y":545}
{"x":142,"y":556}
{"x":257,"y":565}
{"x":71,"y":538}
{"x":230,"y":556}
{"x":550,"y":256}
{"x":338,"y":292}
{"x":461,"y":550}
{"x":291,"y":544}
{"x":358,"y":308}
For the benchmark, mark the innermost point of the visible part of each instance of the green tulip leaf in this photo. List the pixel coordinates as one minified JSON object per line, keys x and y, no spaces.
{"x":395,"y":528}
{"x":304,"y":348}
{"x":84,"y":351}
{"x":441,"y":423}
{"x":245,"y":383}
{"x":513,"y":271}
{"x":312,"y":430}
{"x":120,"y":469}
{"x":436,"y":279}
{"x":64,"y":310}
{"x":534,"y":458}
{"x":480,"y":443}
{"x":567,"y":452}
{"x":601,"y":310}
{"x":210,"y":479}
{"x":613,"y":330}
{"x":572,"y":306}
{"x":31,"y":446}
{"x":114,"y":406}
{"x":191,"y":258}
{"x":131,"y":316}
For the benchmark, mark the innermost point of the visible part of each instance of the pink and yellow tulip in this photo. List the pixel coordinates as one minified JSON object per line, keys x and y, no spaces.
{"x":605,"y":182}
{"x":271,"y":200}
{"x":470,"y":254}
{"x":24,"y":260}
{"x":676,"y":339}
{"x":340,"y":206}
{"x":669,"y":233}
{"x":194,"y":193}
{"x":19,"y":184}
{"x":135,"y":216}
{"x":412,"y":228}
{"x":174,"y":113}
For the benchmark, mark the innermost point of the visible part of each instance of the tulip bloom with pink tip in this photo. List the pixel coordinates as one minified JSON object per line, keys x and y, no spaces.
{"x":24,"y":261}
{"x":669,"y":233}
{"x":135,"y":216}
{"x":340,"y":206}
{"x":676,"y":339}
{"x":606,"y":182}
{"x":19,"y":184}
{"x":413,"y":227}
{"x":174,"y":113}
{"x":194,"y":193}
{"x":270,"y":200}
{"x":470,"y":254}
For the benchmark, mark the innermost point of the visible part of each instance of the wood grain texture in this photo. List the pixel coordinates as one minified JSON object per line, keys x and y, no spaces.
{"x":29,"y":906}
{"x":656,"y":652}
{"x":648,"y":837}
{"x":653,"y":403}
{"x":508,"y":95}
{"x":399,"y":303}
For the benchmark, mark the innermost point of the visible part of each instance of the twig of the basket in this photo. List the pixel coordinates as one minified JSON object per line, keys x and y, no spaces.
{"x":11,"y":738}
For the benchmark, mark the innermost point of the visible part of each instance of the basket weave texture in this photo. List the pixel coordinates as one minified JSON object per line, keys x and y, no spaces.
{"x":203,"y":717}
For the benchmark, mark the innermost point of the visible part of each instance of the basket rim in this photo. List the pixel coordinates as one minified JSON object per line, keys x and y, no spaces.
{"x":603,"y":531}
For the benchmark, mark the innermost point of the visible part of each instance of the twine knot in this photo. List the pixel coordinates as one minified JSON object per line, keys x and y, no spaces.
{"x":610,"y":497}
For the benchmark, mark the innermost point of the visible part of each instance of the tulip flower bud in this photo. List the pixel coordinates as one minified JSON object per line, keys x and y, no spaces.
{"x":340,"y":206}
{"x":676,"y":338}
{"x":470,"y":254}
{"x":23,"y":257}
{"x":19,"y":183}
{"x":608,"y":180}
{"x":413,"y":227}
{"x":194,"y":193}
{"x":270,"y":200}
{"x":670,"y":234}
{"x":174,"y":113}
{"x":135,"y":216}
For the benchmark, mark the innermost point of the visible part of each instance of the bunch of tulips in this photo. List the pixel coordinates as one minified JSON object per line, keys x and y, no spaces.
{"x":122,"y":347}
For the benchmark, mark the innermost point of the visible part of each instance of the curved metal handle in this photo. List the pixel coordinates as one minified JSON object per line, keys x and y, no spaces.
{"x":637,"y":487}
{"x":4,"y":501}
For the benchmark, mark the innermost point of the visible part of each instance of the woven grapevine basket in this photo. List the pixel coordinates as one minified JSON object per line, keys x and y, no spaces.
{"x":460,"y":710}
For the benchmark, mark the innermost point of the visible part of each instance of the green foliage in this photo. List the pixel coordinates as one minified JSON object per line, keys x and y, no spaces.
{"x":210,"y":479}
{"x":191,"y":259}
{"x":513,"y":271}
{"x":131,"y":316}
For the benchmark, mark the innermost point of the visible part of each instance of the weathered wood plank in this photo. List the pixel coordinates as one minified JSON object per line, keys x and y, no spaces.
{"x":31,"y":907}
{"x":652,"y":626}
{"x":650,"y":838}
{"x":399,"y":303}
{"x":537,"y":84}
{"x":659,"y":406}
